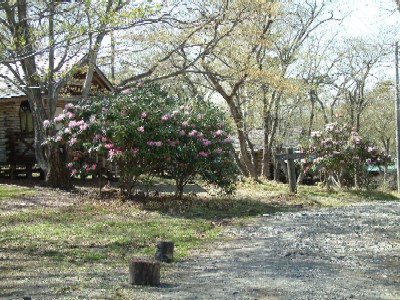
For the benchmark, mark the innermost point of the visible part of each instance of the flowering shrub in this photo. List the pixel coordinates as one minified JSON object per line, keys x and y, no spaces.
{"x":146,"y":132}
{"x":341,"y":155}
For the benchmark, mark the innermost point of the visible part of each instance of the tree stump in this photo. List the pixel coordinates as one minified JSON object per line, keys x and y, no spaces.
{"x":165,"y":251}
{"x":144,"y":271}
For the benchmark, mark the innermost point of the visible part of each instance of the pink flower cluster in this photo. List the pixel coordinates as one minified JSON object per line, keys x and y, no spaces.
{"x":154,"y":143}
{"x":203,"y":154}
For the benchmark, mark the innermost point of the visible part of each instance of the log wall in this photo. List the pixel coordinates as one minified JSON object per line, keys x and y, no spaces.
{"x":12,"y":143}
{"x":9,"y":120}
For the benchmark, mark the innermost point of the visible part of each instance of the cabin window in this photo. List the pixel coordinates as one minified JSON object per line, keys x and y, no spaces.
{"x":25,"y":117}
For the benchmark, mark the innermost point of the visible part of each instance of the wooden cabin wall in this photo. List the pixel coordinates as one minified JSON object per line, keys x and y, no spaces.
{"x":9,"y":120}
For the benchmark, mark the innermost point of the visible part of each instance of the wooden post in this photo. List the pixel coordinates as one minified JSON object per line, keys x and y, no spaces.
{"x":13,"y":172}
{"x":291,"y":172}
{"x":165,"y":251}
{"x":144,"y":271}
{"x":28,"y":168}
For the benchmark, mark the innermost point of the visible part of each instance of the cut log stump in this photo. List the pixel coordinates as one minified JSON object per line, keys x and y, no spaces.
{"x":165,"y":251}
{"x":144,"y":271}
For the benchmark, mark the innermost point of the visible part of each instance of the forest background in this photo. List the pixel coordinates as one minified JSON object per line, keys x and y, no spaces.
{"x":273,"y":65}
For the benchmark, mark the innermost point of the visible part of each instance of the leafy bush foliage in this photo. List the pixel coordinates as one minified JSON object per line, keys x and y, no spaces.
{"x":146,"y":132}
{"x":341,"y":155}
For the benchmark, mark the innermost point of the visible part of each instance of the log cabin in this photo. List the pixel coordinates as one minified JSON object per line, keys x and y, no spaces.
{"x":17,"y":155}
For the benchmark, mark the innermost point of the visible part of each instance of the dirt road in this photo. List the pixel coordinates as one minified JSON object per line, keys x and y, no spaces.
{"x":348,"y":252}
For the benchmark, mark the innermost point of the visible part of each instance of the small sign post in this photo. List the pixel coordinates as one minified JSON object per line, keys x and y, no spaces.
{"x":291,"y":141}
{"x":291,"y":172}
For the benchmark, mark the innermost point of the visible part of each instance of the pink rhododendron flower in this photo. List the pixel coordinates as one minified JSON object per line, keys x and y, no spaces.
{"x":59,"y":118}
{"x":193,"y":132}
{"x":182,"y":132}
{"x":185,"y":123}
{"x":73,"y":123}
{"x":109,"y":146}
{"x":70,"y":165}
{"x":135,"y":150}
{"x":74,"y":171}
{"x":203,"y":154}
{"x":69,"y":106}
{"x":113,"y":152}
{"x":206,"y":142}
{"x":46,"y":123}
{"x":94,"y":167}
{"x":140,"y":83}
{"x":126,"y":91}
{"x":219,"y":132}
{"x":73,"y":141}
{"x":165,"y":117}
{"x":83,"y":127}
{"x":140,"y":129}
{"x":104,"y":139}
{"x":76,"y":158}
{"x":172,"y":143}
{"x":158,"y":144}
{"x":143,"y":114}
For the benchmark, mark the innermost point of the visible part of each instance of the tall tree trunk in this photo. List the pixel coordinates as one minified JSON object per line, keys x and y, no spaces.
{"x":51,"y":162}
{"x":237,"y":116}
{"x":240,"y":163}
{"x":245,"y":155}
{"x":57,"y":174}
{"x":311,"y":120}
{"x":270,"y":124}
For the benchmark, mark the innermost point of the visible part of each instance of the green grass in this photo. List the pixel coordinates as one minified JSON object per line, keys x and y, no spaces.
{"x":7,"y":191}
{"x":83,"y":234}
{"x":316,"y":196}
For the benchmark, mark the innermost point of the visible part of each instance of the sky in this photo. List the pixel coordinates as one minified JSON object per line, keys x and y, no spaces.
{"x":368,"y":17}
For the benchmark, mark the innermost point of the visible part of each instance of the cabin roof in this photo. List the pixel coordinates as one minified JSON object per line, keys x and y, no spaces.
{"x":10,"y":87}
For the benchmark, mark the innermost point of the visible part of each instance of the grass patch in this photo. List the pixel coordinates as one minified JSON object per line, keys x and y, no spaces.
{"x":7,"y":191}
{"x":90,"y":233}
{"x":314,"y":196}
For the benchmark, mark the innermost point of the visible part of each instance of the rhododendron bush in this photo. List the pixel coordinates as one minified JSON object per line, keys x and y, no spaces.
{"x":341,"y":155}
{"x":146,"y":132}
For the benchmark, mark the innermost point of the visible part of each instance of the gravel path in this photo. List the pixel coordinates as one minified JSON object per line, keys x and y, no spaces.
{"x":350,"y":252}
